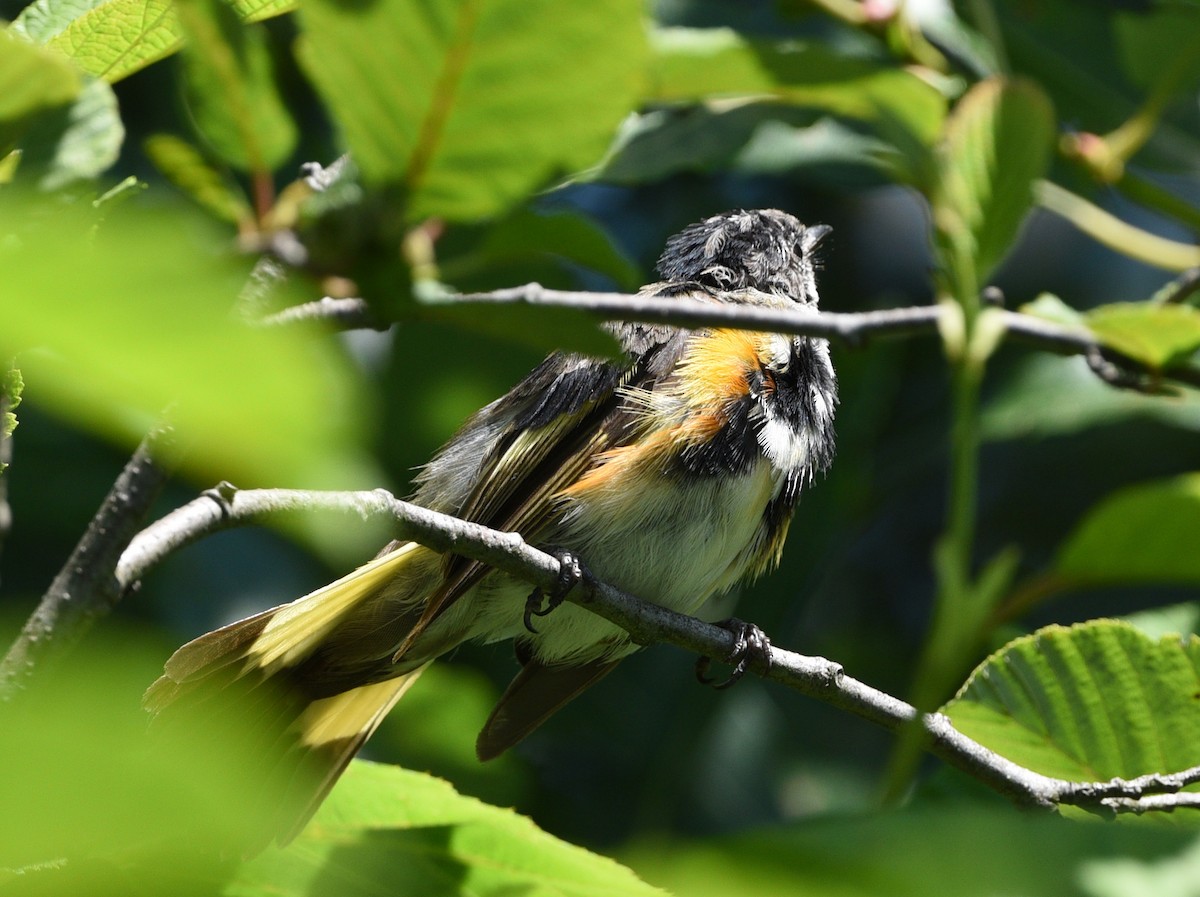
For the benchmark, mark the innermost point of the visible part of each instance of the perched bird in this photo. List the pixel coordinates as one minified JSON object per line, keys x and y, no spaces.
{"x":672,"y":474}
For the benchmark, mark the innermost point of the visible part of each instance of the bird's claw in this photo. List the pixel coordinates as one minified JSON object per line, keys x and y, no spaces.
{"x":570,"y":574}
{"x":749,"y":643}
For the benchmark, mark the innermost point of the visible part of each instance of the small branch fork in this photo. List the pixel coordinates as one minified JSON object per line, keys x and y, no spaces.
{"x":647,"y":623}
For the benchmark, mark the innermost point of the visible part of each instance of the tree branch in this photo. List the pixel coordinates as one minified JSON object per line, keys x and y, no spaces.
{"x":851,"y":329}
{"x":647,"y":624}
{"x":86,"y":588}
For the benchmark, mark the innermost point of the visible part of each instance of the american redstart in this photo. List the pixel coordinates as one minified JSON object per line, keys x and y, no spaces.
{"x":672,"y":474}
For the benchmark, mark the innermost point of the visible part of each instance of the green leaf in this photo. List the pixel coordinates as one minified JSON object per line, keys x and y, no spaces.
{"x":116,"y":328}
{"x":231,"y":87}
{"x":757,"y":138}
{"x":259,"y":10}
{"x":112,"y":39}
{"x":1145,"y":533}
{"x":997,"y":144}
{"x":1153,"y":334}
{"x":526,"y":240}
{"x":1052,"y":308}
{"x":386,"y":831}
{"x":1052,"y":396}
{"x":698,"y":65}
{"x":1098,"y":61}
{"x":31,"y":81}
{"x":1087,"y":702}
{"x":90,"y":805}
{"x":473,"y":104}
{"x":77,"y":143}
{"x":958,"y":850}
{"x":11,"y":385}
{"x":187,"y":169}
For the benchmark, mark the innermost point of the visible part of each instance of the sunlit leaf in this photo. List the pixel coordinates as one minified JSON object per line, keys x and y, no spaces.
{"x":388,"y":831}
{"x":474,"y":103}
{"x":114,"y":330}
{"x":1153,"y":334}
{"x":1144,"y":533}
{"x":231,"y":87}
{"x":112,"y":39}
{"x":258,"y":10}
{"x":998,"y":143}
{"x":1088,"y":702}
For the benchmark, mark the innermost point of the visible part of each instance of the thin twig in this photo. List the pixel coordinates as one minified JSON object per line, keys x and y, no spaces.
{"x":85,"y":588}
{"x":647,"y":624}
{"x":850,"y":329}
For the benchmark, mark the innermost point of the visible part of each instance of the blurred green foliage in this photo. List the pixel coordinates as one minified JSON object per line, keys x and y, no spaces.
{"x":498,"y":142}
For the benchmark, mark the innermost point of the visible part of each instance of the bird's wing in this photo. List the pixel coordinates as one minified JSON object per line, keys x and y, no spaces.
{"x":559,"y":418}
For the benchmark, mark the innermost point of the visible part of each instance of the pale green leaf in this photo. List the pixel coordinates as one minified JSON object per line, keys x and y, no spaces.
{"x":114,"y":329}
{"x":79,"y":142}
{"x":386,"y":831}
{"x":997,"y":144}
{"x":231,"y":87}
{"x":1144,"y":533}
{"x":472,"y":104}
{"x":1153,"y":334}
{"x":1087,"y":702}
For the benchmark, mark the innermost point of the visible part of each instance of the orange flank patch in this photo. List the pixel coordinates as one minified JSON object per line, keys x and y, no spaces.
{"x":712,"y":375}
{"x":713,"y":372}
{"x":622,"y":463}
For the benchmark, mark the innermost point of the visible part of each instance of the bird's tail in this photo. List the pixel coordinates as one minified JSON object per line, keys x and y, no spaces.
{"x":293,"y":740}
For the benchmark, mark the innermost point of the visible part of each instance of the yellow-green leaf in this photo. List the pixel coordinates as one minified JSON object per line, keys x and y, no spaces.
{"x":1153,"y":334}
{"x":386,"y":831}
{"x":998,"y":143}
{"x":1087,"y":702}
